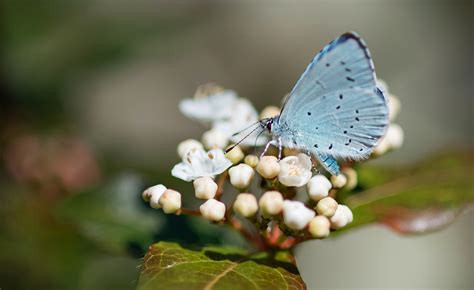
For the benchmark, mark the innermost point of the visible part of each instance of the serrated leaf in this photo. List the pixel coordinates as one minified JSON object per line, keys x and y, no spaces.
{"x":432,"y":193}
{"x":169,"y":266}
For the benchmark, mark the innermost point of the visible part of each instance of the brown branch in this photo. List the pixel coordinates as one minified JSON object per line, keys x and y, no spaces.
{"x":220,"y":185}
{"x":188,"y":211}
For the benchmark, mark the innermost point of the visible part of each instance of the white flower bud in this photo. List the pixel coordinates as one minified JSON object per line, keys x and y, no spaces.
{"x":318,"y":187}
{"x":235,"y":155}
{"x":185,"y":146}
{"x":269,"y":112}
{"x":338,"y":181}
{"x":241,"y":176}
{"x":271,"y":203}
{"x":326,"y":207}
{"x":351,"y":175}
{"x":246,"y":205}
{"x":213,"y":210}
{"x":319,"y":227}
{"x":296,"y":215}
{"x":393,"y":107}
{"x":205,"y":187}
{"x":170,"y":201}
{"x":268,"y":167}
{"x":295,"y":170}
{"x":213,"y":139}
{"x":251,"y":160}
{"x":153,"y":194}
{"x":342,"y":217}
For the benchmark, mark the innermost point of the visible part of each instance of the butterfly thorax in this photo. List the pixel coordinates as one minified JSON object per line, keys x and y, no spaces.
{"x":280,"y":130}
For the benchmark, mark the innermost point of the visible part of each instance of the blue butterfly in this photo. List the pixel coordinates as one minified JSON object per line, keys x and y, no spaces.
{"x":335,"y":109}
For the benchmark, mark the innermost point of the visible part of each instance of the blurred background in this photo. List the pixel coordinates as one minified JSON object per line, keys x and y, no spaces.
{"x":89,"y":94}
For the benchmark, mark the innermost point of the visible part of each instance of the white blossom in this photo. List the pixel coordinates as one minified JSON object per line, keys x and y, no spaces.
{"x":327,"y":206}
{"x":153,"y":194}
{"x":213,"y":210}
{"x":241,"y":176}
{"x":243,"y":116}
{"x":319,"y":227}
{"x":271,"y":203}
{"x":198,"y":163}
{"x":318,"y":187}
{"x":268,"y":167}
{"x":207,"y":109}
{"x":170,"y":201}
{"x":205,"y":187}
{"x":246,"y":205}
{"x":342,"y":217}
{"x":296,"y":215}
{"x":295,"y":170}
{"x":214,"y":138}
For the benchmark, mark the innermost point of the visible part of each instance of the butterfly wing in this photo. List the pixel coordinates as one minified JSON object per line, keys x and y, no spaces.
{"x":335,"y":108}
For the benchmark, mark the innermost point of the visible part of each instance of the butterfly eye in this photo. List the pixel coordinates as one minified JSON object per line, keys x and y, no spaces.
{"x":269,"y":125}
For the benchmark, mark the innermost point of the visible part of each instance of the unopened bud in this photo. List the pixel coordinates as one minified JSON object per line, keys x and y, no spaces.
{"x":319,"y":227}
{"x":296,"y":215}
{"x":351,"y":175}
{"x":205,"y":187}
{"x":235,"y":155}
{"x":213,"y":210}
{"x":251,"y":160}
{"x":170,"y":201}
{"x":338,"y":181}
{"x":241,"y":176}
{"x":153,"y":194}
{"x":271,"y":203}
{"x":326,"y":207}
{"x":318,"y":187}
{"x":341,"y":218}
{"x":185,"y":146}
{"x":269,"y":112}
{"x":394,"y":106}
{"x":214,"y":139}
{"x":268,"y":167}
{"x":246,"y":205}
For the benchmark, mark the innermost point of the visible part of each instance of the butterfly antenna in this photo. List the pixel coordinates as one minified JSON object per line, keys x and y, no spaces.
{"x":256,"y":140}
{"x":248,"y":127}
{"x":240,"y":141}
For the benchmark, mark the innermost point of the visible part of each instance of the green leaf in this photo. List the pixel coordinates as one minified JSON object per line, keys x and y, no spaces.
{"x":113,"y":215}
{"x":421,"y":198}
{"x":169,"y":266}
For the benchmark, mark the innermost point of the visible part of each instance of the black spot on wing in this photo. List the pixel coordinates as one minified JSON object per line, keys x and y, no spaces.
{"x":350,"y":79}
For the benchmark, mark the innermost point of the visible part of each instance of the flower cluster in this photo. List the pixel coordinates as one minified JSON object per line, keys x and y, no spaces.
{"x":265,"y":189}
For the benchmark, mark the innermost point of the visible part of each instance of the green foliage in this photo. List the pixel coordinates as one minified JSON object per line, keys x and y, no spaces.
{"x":169,"y":266}
{"x":422,"y":193}
{"x":113,"y":215}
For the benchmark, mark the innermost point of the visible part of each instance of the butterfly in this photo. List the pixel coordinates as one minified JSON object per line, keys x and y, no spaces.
{"x":335,"y":110}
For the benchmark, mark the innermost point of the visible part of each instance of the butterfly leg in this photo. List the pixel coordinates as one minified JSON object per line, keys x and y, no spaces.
{"x":273,"y":142}
{"x":280,"y":148}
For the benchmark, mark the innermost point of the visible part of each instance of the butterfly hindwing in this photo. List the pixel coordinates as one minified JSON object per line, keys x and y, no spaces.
{"x":335,"y":109}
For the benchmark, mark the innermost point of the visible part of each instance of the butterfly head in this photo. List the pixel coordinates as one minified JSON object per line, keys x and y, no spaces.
{"x":268,"y":123}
